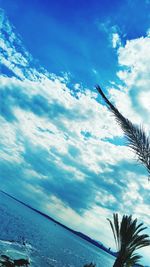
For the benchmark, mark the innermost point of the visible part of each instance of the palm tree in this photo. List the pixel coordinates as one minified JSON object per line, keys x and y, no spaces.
{"x":138,"y":140}
{"x":128,"y":239}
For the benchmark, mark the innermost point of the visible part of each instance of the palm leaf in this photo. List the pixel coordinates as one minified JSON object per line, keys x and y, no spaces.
{"x":129,"y":239}
{"x":114,"y":233}
{"x":138,"y":140}
{"x":116,"y":224}
{"x":131,"y":261}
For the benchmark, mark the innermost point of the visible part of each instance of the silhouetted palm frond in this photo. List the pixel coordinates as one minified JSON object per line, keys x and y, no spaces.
{"x":138,"y":140}
{"x":128,"y":239}
{"x":134,"y":259}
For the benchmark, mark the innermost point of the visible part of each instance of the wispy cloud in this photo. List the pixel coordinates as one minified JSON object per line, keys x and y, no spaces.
{"x":112,"y":31}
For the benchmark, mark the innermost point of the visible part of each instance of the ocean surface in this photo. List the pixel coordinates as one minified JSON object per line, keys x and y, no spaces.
{"x":27,"y":234}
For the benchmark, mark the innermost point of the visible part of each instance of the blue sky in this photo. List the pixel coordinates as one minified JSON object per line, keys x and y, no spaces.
{"x":61,"y":149}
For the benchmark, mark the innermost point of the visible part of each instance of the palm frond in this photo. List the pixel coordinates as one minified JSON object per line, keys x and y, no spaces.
{"x":137,"y":139}
{"x":131,"y":261}
{"x":116,"y":224}
{"x":114,"y":233}
{"x":128,"y":235}
{"x":140,"y":241}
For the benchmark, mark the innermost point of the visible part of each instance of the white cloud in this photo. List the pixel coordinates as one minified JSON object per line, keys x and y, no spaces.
{"x":133,"y":56}
{"x":11,"y":146}
{"x":131,"y":99}
{"x":116,"y":41}
{"x":112,"y":31}
{"x":88,"y":117}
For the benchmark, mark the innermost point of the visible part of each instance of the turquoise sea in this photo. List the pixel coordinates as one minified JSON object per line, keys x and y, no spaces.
{"x":27,"y":234}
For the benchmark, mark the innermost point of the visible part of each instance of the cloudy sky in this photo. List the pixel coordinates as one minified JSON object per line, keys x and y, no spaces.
{"x":61,"y":149}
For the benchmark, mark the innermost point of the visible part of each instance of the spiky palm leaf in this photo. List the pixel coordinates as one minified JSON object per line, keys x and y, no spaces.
{"x":128,"y":239}
{"x":138,"y":140}
{"x":134,"y":259}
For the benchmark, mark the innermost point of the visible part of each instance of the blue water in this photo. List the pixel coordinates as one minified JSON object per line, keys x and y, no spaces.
{"x":46,"y":243}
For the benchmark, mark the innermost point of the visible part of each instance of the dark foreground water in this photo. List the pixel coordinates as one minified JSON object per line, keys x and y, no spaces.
{"x":46,"y":243}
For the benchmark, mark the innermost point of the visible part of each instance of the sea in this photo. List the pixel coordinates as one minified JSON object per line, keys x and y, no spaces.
{"x":26,"y":234}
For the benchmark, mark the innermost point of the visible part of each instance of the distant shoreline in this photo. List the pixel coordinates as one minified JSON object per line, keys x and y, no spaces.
{"x":81,"y":235}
